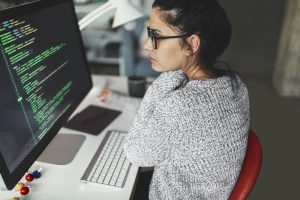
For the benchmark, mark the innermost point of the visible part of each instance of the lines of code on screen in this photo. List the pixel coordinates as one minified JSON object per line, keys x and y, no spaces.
{"x":41,"y":66}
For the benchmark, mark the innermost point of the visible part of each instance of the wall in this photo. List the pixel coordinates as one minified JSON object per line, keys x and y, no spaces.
{"x":256,"y":30}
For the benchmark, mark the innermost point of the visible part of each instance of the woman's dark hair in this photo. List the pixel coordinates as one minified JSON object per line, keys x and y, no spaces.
{"x":203,"y":17}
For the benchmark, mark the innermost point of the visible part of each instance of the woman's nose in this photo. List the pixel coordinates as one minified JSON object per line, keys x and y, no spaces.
{"x":148,"y":45}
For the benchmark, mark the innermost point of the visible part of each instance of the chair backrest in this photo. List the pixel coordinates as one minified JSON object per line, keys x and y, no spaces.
{"x":250,"y":169}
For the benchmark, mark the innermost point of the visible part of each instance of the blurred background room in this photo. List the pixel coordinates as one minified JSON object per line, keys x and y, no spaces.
{"x":264,"y":50}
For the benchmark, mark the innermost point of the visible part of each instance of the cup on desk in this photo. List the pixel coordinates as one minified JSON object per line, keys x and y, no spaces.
{"x":136,"y":86}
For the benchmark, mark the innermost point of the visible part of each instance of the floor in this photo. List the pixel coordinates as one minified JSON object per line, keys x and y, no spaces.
{"x":252,"y":52}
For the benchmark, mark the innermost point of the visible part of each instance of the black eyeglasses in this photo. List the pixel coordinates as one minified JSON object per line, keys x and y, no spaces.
{"x":154,"y":38}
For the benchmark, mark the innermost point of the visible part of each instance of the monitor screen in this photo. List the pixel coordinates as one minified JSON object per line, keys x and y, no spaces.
{"x":43,"y":77}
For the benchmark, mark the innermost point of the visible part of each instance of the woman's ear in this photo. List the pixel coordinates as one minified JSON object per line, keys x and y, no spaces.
{"x":194,"y":43}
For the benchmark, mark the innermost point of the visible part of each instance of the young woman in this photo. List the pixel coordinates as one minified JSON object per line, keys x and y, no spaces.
{"x":193,"y":122}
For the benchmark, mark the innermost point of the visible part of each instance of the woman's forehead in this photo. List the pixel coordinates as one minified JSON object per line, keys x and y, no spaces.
{"x":155,"y":19}
{"x":157,"y":23}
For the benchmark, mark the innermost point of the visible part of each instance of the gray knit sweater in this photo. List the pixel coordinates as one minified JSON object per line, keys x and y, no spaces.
{"x":194,"y":134}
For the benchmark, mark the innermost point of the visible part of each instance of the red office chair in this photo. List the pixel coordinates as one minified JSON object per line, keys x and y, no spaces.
{"x":250,"y":169}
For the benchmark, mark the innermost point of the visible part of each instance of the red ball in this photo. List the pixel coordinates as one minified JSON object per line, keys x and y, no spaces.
{"x":24,"y":190}
{"x":29,"y":177}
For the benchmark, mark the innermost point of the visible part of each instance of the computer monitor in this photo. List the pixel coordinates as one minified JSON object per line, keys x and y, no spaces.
{"x":43,"y":77}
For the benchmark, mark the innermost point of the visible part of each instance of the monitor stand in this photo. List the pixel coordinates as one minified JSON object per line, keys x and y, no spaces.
{"x":62,"y":149}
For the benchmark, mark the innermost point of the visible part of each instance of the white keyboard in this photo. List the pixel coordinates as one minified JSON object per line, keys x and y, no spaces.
{"x":109,"y":165}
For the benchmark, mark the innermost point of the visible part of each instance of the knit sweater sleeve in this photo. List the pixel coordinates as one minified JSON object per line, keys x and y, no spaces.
{"x":154,"y":124}
{"x":147,"y":142}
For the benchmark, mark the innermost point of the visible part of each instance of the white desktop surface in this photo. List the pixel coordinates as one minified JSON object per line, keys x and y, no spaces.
{"x":62,"y":182}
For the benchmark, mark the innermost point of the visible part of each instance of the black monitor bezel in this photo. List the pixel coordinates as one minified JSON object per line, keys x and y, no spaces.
{"x":11,"y":179}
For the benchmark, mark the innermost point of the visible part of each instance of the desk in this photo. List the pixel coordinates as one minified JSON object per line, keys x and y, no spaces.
{"x":63,"y":182}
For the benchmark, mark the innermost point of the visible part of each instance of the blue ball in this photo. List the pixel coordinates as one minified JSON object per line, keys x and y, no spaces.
{"x":36,"y":174}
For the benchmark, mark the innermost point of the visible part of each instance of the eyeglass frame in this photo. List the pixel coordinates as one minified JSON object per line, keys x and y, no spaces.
{"x":154,"y":37}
